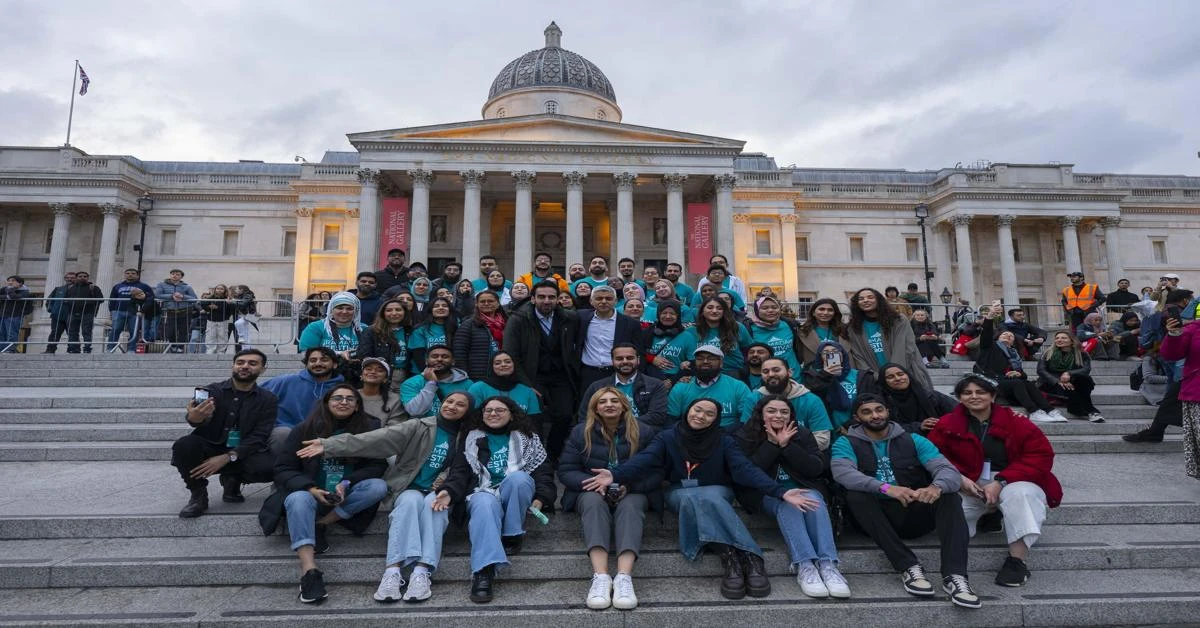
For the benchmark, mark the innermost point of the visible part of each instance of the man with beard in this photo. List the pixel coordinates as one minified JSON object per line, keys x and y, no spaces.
{"x":625,"y":268}
{"x":673,"y":273}
{"x":646,"y":394}
{"x":1029,"y":338}
{"x":422,"y":394}
{"x":737,"y":402}
{"x":575,"y":272}
{"x":899,"y":486}
{"x":299,"y":392}
{"x":541,"y":272}
{"x":368,"y":297}
{"x":487,"y":264}
{"x":807,"y":408}
{"x":756,"y":354}
{"x":230,"y":435}
{"x":395,"y":273}
{"x":80,"y":301}
{"x":541,"y":339}
{"x":597,"y":274}
{"x":1120,"y":299}
{"x":451,"y":273}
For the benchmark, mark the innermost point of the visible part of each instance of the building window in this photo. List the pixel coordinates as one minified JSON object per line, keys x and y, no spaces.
{"x":1159,"y":249}
{"x":166,"y":242}
{"x":954,"y":250}
{"x":762,"y":242}
{"x":912,"y":249}
{"x":551,"y":106}
{"x":229,"y":243}
{"x":856,"y":248}
{"x":333,"y":238}
{"x":802,"y":248}
{"x":289,"y":243}
{"x":804,"y":305}
{"x":1060,"y":252}
{"x":49,"y":240}
{"x":1016,"y":244}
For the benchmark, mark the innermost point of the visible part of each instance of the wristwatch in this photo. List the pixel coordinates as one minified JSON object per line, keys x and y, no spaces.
{"x":232,"y":455}
{"x":1002,"y":482}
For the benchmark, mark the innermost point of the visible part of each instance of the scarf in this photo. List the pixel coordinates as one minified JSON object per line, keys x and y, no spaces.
{"x":331,"y":328}
{"x":525,"y":453}
{"x":673,"y":330}
{"x":495,"y":326}
{"x":504,"y":383}
{"x":698,"y":445}
{"x":1060,"y":361}
{"x":911,"y":404}
{"x":1014,"y":357}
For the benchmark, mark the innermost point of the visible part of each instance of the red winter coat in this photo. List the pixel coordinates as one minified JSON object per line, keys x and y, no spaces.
{"x":1030,"y":456}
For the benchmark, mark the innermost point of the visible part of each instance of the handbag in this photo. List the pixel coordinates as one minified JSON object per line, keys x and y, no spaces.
{"x":960,"y":345}
{"x":1089,"y":345}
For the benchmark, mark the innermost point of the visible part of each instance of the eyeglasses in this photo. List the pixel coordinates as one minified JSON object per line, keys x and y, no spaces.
{"x":343,"y":399}
{"x":495,"y":410}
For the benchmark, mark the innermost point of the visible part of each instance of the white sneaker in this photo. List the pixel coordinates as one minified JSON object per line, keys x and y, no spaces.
{"x":1040,"y":416}
{"x":1095,"y":417}
{"x":624,"y":599}
{"x":599,"y":597}
{"x":1057,"y":416}
{"x":389,"y":587}
{"x":419,"y":588}
{"x":833,"y":580}
{"x":810,"y":581}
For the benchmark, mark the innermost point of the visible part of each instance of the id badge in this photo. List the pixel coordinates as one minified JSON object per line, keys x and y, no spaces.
{"x":986,"y":476}
{"x":233,"y":439}
{"x":689,"y":483}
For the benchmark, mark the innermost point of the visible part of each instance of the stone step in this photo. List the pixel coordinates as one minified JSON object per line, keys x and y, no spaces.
{"x":1052,"y":597}
{"x":1103,"y":395}
{"x":85,"y":451}
{"x":103,"y":432}
{"x":1116,"y":379}
{"x":147,"y":397}
{"x":85,"y":416}
{"x":111,"y":380}
{"x":245,"y":560}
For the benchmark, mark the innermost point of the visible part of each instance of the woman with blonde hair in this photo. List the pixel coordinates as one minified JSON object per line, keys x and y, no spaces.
{"x":1064,"y":371}
{"x":608,"y":436}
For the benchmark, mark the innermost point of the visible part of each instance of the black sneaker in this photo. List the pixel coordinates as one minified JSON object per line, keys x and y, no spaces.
{"x":322,"y":544}
{"x":991,"y":522}
{"x":1014,"y":573}
{"x":312,"y":587}
{"x":481,"y":584}
{"x":1143,"y":436}
{"x":196,"y":505}
{"x":960,"y":592}
{"x":512,"y":544}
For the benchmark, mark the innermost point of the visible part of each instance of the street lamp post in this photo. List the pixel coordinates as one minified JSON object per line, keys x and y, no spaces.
{"x":946,"y":296}
{"x":922,"y":212}
{"x":145,"y":206}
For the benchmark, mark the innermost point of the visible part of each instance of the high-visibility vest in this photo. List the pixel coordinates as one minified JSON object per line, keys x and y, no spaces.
{"x":1085,"y":300}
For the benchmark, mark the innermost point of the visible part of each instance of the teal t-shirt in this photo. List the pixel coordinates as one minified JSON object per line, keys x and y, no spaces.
{"x":850,"y":385}
{"x":734,"y":359}
{"x":734,"y":396}
{"x":754,"y":382}
{"x":428,"y":335}
{"x":779,"y":338}
{"x":884,"y":471}
{"x":785,"y":480}
{"x":412,"y":386}
{"x":497,"y":464}
{"x":670,"y":348}
{"x":684,"y":292}
{"x":400,"y":361}
{"x":593,"y":282}
{"x":807,"y":409}
{"x":521,"y":394}
{"x":823,"y":333}
{"x":481,"y":284}
{"x":438,"y":458}
{"x":627,"y":390}
{"x":874,"y":337}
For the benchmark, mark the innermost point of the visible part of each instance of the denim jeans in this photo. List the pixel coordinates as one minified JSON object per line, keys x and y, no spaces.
{"x":302,"y":509}
{"x":415,"y":531}
{"x":123,"y":321}
{"x":809,"y":535}
{"x":80,"y":325}
{"x":706,"y":516}
{"x":493,"y":516}
{"x":10,"y":330}
{"x":196,"y":341}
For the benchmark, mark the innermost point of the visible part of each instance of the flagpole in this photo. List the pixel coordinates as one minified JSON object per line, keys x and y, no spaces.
{"x":71,"y":114}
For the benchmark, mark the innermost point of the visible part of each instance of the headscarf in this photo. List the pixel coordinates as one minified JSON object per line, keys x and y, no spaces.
{"x":452,"y":427}
{"x":504,"y":383}
{"x":641,"y":294}
{"x":673,"y":330}
{"x":343,"y":298}
{"x":422,"y":298}
{"x":699,"y":445}
{"x":906,"y":406}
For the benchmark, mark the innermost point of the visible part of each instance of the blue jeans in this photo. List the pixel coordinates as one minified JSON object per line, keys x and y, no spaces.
{"x":493,"y":516}
{"x":302,"y":509}
{"x":10,"y":330}
{"x":123,"y":321}
{"x":415,"y":532}
{"x":809,"y":535}
{"x":706,"y":516}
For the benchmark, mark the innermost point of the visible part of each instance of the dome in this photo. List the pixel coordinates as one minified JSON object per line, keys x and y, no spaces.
{"x":550,"y":67}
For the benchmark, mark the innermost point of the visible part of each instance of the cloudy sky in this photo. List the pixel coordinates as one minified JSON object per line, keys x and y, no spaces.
{"x":1109,"y":86}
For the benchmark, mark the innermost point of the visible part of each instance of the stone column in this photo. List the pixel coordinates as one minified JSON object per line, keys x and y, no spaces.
{"x":472,"y":220}
{"x":368,"y":220}
{"x":1008,"y":263}
{"x":12,"y":239}
{"x":1112,"y":249}
{"x":418,"y":235}
{"x":58,"y":251}
{"x":107,"y":260}
{"x":1070,"y":236}
{"x":302,"y":266}
{"x":940,"y":246}
{"x":791,"y":275}
{"x":724,"y":184}
{"x":523,"y":238}
{"x":966,"y":268}
{"x":574,"y":180}
{"x":625,"y":182}
{"x":676,"y":227}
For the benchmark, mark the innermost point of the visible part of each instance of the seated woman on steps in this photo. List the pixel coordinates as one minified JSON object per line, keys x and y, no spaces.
{"x":999,"y":360}
{"x":423,"y":449}
{"x":1064,"y":371}
{"x":701,"y":463}
{"x":317,"y":492}
{"x":606,"y":439}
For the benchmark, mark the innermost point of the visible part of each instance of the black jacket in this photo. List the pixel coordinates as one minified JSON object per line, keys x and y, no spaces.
{"x":992,"y":361}
{"x":385,"y":278}
{"x":649,"y":397}
{"x":370,"y":346}
{"x":462,"y":479}
{"x":801,"y":459}
{"x":252,"y":413}
{"x":473,"y":349}
{"x":575,"y":467}
{"x":522,"y":339}
{"x":89,"y":299}
{"x":628,"y":330}
{"x":1049,"y":379}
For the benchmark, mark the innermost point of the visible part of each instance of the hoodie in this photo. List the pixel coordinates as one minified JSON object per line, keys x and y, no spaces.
{"x":844,"y":463}
{"x":298,"y":393}
{"x":807,"y":409}
{"x":422,"y":397}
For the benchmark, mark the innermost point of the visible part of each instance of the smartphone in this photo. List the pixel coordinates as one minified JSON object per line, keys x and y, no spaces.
{"x":199,"y":396}
{"x":832,"y":359}
{"x":1172,"y":312}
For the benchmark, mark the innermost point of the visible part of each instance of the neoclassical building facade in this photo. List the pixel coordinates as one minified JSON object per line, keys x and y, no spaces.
{"x":551,"y":166}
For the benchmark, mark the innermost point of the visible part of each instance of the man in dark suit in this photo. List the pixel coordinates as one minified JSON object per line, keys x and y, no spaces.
{"x":600,"y":329}
{"x":540,"y":335}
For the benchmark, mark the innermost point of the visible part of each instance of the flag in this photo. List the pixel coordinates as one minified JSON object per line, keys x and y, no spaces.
{"x":84,"y":80}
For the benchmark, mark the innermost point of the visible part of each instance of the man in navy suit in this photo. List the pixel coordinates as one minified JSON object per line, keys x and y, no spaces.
{"x":599,"y":330}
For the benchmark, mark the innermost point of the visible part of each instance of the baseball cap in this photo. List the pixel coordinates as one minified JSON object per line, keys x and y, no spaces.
{"x":711,"y":350}
{"x":1075,"y":274}
{"x":381,"y":362}
{"x":1170,"y":276}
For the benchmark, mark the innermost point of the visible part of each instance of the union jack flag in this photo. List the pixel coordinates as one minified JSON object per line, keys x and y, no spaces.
{"x":84,"y":80}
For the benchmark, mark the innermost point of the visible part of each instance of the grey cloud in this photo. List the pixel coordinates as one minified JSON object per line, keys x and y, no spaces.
{"x":28,"y":118}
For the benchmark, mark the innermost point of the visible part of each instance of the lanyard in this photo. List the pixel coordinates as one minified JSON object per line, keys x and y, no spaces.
{"x":690,"y":467}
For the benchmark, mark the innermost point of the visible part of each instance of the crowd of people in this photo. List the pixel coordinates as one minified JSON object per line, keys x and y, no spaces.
{"x":626,"y":397}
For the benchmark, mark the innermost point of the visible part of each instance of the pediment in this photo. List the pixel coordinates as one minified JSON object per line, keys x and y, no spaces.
{"x":546,"y":128}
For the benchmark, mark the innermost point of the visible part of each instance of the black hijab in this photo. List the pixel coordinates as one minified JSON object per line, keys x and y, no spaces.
{"x":907,"y":406}
{"x":699,"y":445}
{"x":452,"y":427}
{"x":498,"y":382}
{"x":668,"y":331}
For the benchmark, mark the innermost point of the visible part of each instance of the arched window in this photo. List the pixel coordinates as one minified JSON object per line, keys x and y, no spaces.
{"x":551,"y":106}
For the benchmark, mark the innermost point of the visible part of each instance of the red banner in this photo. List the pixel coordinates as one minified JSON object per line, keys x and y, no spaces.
{"x":393,"y":231}
{"x":699,"y":237}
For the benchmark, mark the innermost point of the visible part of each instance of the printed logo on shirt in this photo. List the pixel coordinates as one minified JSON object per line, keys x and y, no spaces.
{"x":883,"y":471}
{"x":876,"y":340}
{"x":498,"y":462}
{"x":437,"y":457}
